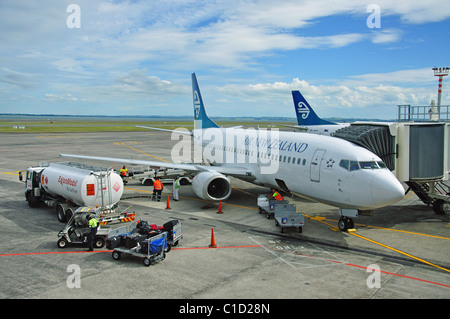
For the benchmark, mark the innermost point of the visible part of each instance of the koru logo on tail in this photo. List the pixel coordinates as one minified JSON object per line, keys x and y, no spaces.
{"x":196,"y":104}
{"x":303,"y":110}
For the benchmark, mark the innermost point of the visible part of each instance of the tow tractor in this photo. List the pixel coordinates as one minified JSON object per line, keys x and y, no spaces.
{"x":77,"y":229}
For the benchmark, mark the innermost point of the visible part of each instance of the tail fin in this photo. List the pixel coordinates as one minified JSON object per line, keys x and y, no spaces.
{"x":305,"y":113}
{"x":201,"y":119}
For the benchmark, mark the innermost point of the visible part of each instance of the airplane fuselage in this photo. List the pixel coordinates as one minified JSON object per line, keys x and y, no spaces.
{"x":326,"y":169}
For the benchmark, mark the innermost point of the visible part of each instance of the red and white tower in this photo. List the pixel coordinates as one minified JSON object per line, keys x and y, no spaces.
{"x":440,"y":72}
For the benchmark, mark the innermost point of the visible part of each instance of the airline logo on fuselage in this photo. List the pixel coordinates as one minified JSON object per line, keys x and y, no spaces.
{"x":303,"y":110}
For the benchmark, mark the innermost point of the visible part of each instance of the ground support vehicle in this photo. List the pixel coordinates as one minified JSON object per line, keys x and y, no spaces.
{"x":77,"y":228}
{"x":122,"y":235}
{"x":267,"y":205}
{"x":286,"y":215}
{"x":151,"y":249}
{"x":69,"y":185}
{"x":146,"y":175}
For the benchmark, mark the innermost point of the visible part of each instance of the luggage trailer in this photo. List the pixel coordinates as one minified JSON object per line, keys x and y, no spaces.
{"x":285,"y":214}
{"x":152,"y":249}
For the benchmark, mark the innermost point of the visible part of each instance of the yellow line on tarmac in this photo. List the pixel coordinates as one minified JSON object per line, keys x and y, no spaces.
{"x":406,"y":232}
{"x":321,"y":220}
{"x":399,"y":251}
{"x":146,"y":153}
{"x":191,"y":198}
{"x":9,"y":173}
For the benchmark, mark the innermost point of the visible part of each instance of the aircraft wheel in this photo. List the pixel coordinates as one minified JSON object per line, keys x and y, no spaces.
{"x":343,"y":224}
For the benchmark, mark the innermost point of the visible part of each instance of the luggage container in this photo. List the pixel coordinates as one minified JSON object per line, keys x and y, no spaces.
{"x":286,"y":215}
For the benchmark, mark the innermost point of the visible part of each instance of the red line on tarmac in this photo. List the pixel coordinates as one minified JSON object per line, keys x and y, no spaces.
{"x":56,"y":253}
{"x":218,"y":247}
{"x":247,"y":246}
{"x":110,"y":251}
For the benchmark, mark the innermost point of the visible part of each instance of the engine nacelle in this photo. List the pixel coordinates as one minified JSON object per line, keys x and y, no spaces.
{"x":211,"y":186}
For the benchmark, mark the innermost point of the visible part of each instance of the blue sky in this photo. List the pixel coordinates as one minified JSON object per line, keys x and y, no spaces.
{"x":136,"y":57}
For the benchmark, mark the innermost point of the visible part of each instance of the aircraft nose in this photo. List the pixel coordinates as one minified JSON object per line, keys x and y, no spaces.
{"x":386,"y":189}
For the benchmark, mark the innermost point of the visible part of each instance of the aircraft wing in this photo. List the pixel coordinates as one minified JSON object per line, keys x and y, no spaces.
{"x":233,"y":171}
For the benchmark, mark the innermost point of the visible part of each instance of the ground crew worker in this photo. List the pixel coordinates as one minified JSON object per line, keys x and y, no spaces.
{"x":124,"y":174}
{"x":176,"y":187}
{"x":157,"y":188}
{"x":276,"y":195}
{"x":93,"y":223}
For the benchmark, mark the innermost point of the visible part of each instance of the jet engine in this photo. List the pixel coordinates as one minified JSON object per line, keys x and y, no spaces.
{"x":211,"y":185}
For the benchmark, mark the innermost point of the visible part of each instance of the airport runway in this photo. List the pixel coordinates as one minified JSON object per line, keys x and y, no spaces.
{"x":406,"y":243}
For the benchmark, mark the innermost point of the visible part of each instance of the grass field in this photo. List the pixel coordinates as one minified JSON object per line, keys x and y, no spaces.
{"x":105,"y":126}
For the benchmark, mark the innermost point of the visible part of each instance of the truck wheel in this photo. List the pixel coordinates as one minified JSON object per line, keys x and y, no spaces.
{"x":62,"y":243}
{"x":31,"y":199}
{"x":99,"y":242}
{"x":61,"y":213}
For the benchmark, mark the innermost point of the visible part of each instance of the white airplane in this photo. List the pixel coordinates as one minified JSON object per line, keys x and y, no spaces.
{"x":322,"y":168}
{"x":308,"y":121}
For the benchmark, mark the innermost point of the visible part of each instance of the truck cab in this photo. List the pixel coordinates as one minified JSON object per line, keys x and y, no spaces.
{"x":32,"y":185}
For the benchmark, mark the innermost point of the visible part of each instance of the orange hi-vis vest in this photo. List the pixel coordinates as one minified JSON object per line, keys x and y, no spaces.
{"x":277,"y":196}
{"x":158,"y":185}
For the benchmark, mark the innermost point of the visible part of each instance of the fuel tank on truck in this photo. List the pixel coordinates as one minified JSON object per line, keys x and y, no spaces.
{"x":83,"y":185}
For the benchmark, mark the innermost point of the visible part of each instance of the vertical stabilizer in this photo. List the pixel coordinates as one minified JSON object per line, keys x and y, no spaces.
{"x":201,"y":119}
{"x":305,"y":113}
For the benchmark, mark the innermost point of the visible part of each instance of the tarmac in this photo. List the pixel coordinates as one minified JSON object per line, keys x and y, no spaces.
{"x":401,"y":252}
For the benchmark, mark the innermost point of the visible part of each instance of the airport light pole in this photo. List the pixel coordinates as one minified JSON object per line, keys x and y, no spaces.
{"x":440,"y":72}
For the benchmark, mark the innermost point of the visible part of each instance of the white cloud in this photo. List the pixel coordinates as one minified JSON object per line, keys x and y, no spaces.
{"x":361,"y":91}
{"x":51,"y":97}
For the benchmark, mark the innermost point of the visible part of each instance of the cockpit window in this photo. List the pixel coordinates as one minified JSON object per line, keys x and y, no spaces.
{"x":368,"y":165}
{"x":344,"y":164}
{"x":354,"y":165}
{"x":381,"y":164}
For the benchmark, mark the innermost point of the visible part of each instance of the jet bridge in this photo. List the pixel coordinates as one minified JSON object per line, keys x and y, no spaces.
{"x":417,"y":152}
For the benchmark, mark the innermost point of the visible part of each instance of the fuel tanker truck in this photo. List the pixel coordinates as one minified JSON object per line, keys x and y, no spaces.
{"x":67,"y":186}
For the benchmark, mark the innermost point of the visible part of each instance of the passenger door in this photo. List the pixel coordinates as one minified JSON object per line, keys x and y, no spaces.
{"x":315,"y":165}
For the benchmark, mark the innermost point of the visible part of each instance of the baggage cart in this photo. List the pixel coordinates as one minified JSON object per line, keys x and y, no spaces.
{"x":267,"y":205}
{"x":286,"y":215}
{"x":151,"y":249}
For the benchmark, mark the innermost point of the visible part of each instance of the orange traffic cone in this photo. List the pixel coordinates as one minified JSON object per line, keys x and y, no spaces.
{"x":213,"y":240}
{"x":220,"y":207}
{"x":168,"y":204}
